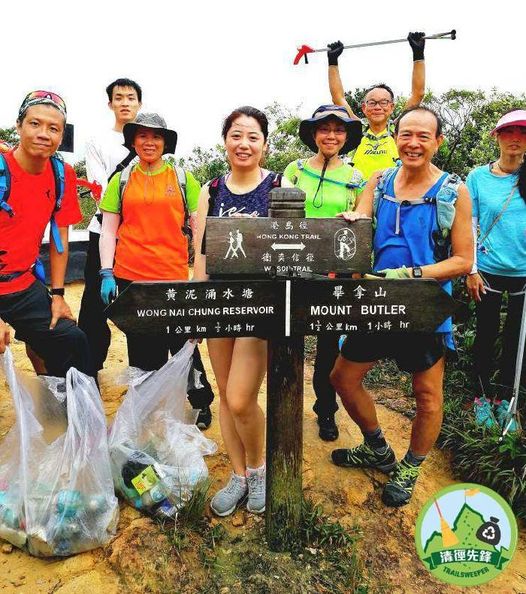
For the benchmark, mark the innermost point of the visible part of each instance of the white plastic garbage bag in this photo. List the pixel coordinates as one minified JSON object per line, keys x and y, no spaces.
{"x":156,"y":453}
{"x":56,"y":488}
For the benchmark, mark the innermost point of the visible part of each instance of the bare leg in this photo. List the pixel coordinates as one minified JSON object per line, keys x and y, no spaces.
{"x":347,"y":378}
{"x":221,"y":351}
{"x":249,"y":363}
{"x":427,"y":388}
{"x":38,"y":364}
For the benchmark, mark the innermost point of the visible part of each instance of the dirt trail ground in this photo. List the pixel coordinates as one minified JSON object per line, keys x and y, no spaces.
{"x":351,"y":496}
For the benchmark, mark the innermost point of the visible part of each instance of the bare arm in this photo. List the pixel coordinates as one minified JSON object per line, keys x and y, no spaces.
{"x":337,"y":92}
{"x":418,"y":83}
{"x":418,"y":77}
{"x":5,"y":336}
{"x":364,"y":205}
{"x":58,"y":264}
{"x":200,"y":225}
{"x":108,"y":238}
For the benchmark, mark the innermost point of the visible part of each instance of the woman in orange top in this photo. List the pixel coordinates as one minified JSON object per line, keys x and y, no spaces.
{"x":150,"y":220}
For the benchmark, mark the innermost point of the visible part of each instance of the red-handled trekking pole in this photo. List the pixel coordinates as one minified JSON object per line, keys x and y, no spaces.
{"x":304,"y":50}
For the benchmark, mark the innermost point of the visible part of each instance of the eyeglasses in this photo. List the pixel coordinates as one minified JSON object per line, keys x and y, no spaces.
{"x":381,"y":103}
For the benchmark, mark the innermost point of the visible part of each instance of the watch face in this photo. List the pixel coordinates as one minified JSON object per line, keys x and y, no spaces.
{"x":417,"y":272}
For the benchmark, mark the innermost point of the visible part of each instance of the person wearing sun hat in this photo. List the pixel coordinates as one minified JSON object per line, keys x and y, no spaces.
{"x":42,"y":319}
{"x":499,"y":219}
{"x":331,"y":187}
{"x":151,"y":213}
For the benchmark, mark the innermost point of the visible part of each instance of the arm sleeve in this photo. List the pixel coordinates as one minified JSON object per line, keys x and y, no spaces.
{"x":111,"y":201}
{"x":69,"y":212}
{"x":193,"y":189}
{"x":95,"y":169}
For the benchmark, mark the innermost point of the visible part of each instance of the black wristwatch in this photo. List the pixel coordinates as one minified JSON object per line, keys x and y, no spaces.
{"x":57,"y":292}
{"x":417,"y":272}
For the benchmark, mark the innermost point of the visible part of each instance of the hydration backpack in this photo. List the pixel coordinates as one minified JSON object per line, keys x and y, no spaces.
{"x":445,"y":200}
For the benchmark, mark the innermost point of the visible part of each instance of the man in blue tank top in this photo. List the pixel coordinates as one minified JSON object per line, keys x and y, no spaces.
{"x":408,"y":243}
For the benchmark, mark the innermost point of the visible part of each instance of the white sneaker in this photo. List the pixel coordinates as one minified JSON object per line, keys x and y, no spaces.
{"x":225,"y":501}
{"x":256,"y":481}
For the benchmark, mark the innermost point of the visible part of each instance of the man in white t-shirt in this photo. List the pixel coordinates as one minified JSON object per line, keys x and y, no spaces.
{"x":105,"y":155}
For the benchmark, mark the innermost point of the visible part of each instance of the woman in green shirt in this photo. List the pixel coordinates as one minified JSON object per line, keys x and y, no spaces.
{"x":331,"y":187}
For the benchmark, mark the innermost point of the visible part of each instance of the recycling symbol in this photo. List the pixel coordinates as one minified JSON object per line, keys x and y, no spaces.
{"x":489,"y":532}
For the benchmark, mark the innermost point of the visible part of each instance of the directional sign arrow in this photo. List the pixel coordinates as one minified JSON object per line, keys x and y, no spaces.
{"x":288,"y":246}
{"x":368,"y":305}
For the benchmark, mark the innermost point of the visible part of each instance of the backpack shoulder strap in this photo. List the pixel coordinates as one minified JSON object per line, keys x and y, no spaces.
{"x":446,"y":199}
{"x":125,"y":177}
{"x":181,"y":180}
{"x":383,"y":180}
{"x":59,"y":174}
{"x":277,"y":179}
{"x":213,"y":189}
{"x":5,"y":186}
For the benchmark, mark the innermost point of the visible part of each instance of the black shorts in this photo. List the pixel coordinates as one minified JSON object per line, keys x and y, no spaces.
{"x":412,"y":352}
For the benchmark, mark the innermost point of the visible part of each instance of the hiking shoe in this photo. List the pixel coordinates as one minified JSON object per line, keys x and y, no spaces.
{"x":256,"y":480}
{"x":505,"y":417}
{"x":204,"y":418}
{"x":398,"y":490}
{"x":225,"y":501}
{"x":328,"y":428}
{"x":484,"y":413}
{"x":364,"y":456}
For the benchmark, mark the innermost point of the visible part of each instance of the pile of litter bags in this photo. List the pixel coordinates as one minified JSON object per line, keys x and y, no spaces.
{"x":59,"y":469}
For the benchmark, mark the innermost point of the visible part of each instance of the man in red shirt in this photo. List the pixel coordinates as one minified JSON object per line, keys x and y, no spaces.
{"x":42,"y":319}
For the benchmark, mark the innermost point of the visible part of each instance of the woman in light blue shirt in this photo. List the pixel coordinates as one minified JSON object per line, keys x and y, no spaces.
{"x":499,"y":213}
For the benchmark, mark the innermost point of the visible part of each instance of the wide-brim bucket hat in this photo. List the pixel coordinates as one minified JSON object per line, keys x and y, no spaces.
{"x":154,"y":121}
{"x":325,"y":112}
{"x":513,"y":118}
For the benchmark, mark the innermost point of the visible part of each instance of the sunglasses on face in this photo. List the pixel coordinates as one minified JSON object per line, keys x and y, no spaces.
{"x":46,"y":95}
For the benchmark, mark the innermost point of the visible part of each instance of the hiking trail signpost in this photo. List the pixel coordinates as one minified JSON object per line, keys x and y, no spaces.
{"x":274,"y":291}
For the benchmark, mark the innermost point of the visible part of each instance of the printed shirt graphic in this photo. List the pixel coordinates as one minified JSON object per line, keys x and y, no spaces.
{"x":375,"y":152}
{"x":151,"y":243}
{"x":254,"y":203}
{"x":331,"y":199}
{"x":504,"y":249}
{"x":32,"y":199}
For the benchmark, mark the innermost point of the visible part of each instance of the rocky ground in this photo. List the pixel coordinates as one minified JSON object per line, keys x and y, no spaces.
{"x":145,"y":558}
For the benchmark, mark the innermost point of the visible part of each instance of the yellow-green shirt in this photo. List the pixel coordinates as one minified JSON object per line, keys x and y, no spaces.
{"x":331,"y":198}
{"x":375,"y":151}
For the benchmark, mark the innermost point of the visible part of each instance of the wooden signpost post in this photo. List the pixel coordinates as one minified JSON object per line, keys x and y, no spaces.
{"x":283,"y":300}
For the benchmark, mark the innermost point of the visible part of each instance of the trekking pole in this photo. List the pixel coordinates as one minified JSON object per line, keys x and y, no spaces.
{"x":512,"y":408}
{"x":306,"y":49}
